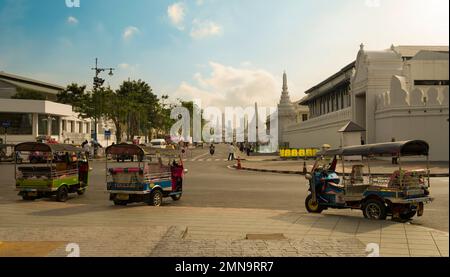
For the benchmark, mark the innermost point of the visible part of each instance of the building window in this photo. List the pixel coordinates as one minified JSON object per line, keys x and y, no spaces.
{"x":64,"y":125}
{"x":431,"y":82}
{"x":42,"y":125}
{"x":80,"y":127}
{"x":72,"y":126}
{"x":55,"y":126}
{"x":20,"y":123}
{"x":87,"y":128}
{"x":304,"y":117}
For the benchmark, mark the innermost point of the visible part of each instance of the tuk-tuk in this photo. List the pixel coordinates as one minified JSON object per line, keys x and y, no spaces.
{"x":401,"y":194}
{"x":149,"y":182}
{"x":67,"y":171}
{"x":7,"y":154}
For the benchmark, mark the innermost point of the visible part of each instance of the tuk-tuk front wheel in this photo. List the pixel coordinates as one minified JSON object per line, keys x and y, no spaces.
{"x":408,"y":215}
{"x":374,"y":209}
{"x":81,"y":191}
{"x":120,"y":202}
{"x":156,"y":198}
{"x":312,"y":207}
{"x":25,"y":197}
{"x":176,"y":197}
{"x":62,"y":194}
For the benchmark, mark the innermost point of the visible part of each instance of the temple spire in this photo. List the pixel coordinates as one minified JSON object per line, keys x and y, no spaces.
{"x":285,"y":86}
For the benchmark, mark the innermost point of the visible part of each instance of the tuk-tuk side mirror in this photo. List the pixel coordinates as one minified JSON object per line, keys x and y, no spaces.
{"x":308,"y":176}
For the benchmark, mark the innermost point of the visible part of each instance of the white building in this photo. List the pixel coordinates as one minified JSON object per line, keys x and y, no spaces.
{"x":29,"y":119}
{"x":288,"y":113}
{"x":400,"y":93}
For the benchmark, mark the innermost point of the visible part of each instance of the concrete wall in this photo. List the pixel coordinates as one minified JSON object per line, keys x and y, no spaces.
{"x":319,"y":130}
{"x":417,"y":114}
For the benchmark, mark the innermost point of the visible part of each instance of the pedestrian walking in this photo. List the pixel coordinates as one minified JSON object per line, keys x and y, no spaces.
{"x":241,"y":147}
{"x":183,"y":152}
{"x":86,"y":150}
{"x":212,"y":149}
{"x":231,"y":151}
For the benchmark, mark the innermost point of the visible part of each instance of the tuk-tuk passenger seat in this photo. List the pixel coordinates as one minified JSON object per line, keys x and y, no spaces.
{"x":119,"y":170}
{"x":357,"y":176}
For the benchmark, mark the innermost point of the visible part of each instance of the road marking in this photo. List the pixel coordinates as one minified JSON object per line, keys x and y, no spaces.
{"x":202,"y":155}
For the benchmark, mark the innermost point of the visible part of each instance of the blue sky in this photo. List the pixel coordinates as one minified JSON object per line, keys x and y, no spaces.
{"x":217,"y":49}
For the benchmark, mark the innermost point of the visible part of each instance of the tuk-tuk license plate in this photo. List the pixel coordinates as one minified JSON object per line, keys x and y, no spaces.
{"x":122,"y":197}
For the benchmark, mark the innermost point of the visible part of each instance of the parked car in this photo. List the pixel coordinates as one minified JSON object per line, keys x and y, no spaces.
{"x":158,"y":143}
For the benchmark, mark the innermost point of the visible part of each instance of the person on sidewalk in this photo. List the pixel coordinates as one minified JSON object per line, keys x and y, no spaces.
{"x":394,"y":156}
{"x":231,"y":152}
{"x":86,"y":150}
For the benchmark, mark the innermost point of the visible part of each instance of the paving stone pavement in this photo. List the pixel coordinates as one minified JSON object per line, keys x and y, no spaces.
{"x":45,"y":229}
{"x":260,"y":248}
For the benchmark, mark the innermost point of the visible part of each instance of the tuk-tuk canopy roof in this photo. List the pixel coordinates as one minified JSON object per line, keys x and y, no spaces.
{"x":46,"y":147}
{"x":125,"y":148}
{"x":402,"y":148}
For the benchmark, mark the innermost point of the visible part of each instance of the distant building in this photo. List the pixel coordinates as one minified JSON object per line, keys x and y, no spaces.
{"x":400,"y":93}
{"x":28,"y":119}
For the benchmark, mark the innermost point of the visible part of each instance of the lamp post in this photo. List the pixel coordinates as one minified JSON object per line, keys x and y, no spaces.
{"x":98,"y":83}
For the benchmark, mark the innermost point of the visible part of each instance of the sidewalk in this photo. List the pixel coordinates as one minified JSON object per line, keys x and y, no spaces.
{"x":197,"y":232}
{"x":437,"y":169}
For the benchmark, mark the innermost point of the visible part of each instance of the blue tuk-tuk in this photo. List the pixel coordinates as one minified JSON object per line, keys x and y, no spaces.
{"x":149,"y":182}
{"x":401,"y":194}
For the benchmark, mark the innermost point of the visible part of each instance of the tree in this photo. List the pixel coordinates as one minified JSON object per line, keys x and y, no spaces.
{"x":72,"y":95}
{"x":28,"y":95}
{"x":141,"y":107}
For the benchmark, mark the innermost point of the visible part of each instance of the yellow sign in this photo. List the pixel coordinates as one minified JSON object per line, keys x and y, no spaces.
{"x":298,"y":152}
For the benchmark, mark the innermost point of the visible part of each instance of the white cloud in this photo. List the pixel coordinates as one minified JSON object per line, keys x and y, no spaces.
{"x":130,"y":32}
{"x":123,"y":66}
{"x":202,"y":29}
{"x":128,"y":67}
{"x":373,"y":3}
{"x":176,"y":14}
{"x":230,"y":86}
{"x":199,"y":2}
{"x":72,"y":20}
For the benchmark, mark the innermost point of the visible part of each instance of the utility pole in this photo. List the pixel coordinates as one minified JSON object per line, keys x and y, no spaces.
{"x":98,"y":83}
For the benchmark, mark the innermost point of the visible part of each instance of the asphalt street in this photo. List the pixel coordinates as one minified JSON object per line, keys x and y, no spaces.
{"x":210,"y":183}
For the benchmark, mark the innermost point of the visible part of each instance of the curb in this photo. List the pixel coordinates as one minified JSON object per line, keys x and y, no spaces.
{"x":301,"y":172}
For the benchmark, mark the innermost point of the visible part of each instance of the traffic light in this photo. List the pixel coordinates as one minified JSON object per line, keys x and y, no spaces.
{"x":98,"y":82}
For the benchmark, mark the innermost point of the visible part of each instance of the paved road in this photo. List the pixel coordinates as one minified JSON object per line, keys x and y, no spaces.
{"x":210,"y":183}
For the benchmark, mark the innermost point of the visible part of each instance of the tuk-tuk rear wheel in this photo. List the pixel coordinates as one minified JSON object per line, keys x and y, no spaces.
{"x":62,"y":194}
{"x":374,"y":209}
{"x":156,"y":198}
{"x":312,"y":207}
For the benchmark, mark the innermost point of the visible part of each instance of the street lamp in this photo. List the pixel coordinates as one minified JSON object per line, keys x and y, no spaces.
{"x":98,"y":83}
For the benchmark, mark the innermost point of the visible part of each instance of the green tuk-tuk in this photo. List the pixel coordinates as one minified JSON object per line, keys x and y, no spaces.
{"x":65,"y":171}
